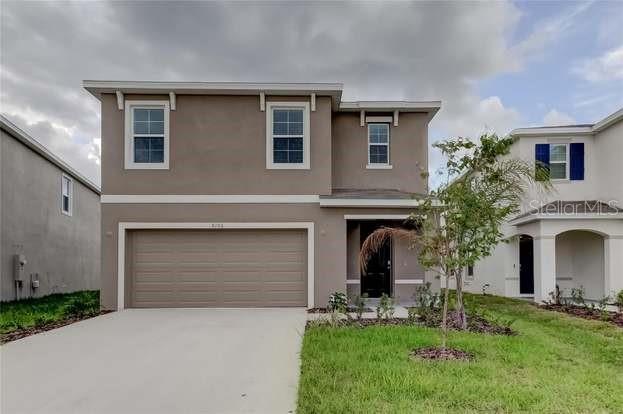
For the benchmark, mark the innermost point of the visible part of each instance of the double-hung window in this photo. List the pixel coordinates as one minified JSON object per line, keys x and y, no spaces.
{"x":558,"y":165}
{"x":67,"y":190}
{"x":147,"y":135}
{"x":378,"y":145}
{"x":287,"y":143}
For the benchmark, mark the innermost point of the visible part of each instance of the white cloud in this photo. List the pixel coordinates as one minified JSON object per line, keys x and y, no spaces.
{"x":486,"y":115}
{"x":607,"y":67}
{"x":554,"y":117}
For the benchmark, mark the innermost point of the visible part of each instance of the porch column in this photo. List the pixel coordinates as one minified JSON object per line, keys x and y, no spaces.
{"x":544,"y":267}
{"x":613,"y":266}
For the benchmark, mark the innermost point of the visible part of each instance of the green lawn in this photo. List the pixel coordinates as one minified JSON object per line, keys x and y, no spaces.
{"x":557,"y":364}
{"x":29,"y":313}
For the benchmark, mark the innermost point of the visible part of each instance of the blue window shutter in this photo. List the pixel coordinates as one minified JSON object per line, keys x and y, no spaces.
{"x":541,"y":155}
{"x":576,"y":168}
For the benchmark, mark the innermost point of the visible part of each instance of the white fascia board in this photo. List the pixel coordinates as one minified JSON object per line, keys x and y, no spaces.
{"x":403,"y":106}
{"x":207,"y":199}
{"x":579,"y":216}
{"x":609,"y":120}
{"x":368,"y":202}
{"x":376,"y":216}
{"x":548,"y":131}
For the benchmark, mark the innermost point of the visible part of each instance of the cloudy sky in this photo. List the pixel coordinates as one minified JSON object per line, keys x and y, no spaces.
{"x":495,"y":66}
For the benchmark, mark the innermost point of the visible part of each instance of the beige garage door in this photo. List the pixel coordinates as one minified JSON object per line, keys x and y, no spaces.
{"x":218,"y":268}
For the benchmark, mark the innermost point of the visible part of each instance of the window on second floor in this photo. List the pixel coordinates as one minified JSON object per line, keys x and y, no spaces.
{"x":287,"y":141}
{"x":147,"y":135}
{"x":558,"y":165}
{"x":378,"y":145}
{"x":67,"y":191}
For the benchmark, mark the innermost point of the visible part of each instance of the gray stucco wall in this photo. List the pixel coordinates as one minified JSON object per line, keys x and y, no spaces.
{"x":63,"y":250}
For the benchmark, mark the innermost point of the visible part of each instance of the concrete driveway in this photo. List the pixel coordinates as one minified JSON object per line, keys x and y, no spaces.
{"x":158,"y":361}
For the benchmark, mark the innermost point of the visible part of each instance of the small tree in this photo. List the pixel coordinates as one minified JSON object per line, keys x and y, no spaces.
{"x":459,"y":223}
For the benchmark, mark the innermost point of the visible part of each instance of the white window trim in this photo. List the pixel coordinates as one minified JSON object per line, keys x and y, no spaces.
{"x":567,"y":160}
{"x":129,"y":135}
{"x":70,"y":187}
{"x":216,"y":226}
{"x":270,"y":164}
{"x":379,"y":166}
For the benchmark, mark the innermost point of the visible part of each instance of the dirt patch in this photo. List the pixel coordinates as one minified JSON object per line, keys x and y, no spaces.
{"x":24,"y":332}
{"x":615,"y":318}
{"x":441,"y":354}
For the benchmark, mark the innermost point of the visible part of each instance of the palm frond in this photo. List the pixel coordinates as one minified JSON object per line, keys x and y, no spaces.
{"x":375,"y":241}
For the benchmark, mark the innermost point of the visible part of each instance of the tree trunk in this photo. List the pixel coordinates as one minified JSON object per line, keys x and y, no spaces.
{"x":459,"y":301}
{"x":444,"y":320}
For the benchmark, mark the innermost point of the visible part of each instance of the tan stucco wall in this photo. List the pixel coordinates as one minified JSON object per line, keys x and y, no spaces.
{"x":63,"y":250}
{"x":408,"y":147}
{"x":330,"y":234}
{"x":217,"y":146}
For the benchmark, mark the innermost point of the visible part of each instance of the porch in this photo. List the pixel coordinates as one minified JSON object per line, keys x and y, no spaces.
{"x":573,"y":250}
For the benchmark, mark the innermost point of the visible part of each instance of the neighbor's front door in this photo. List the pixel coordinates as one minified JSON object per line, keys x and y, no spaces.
{"x":526,"y":265}
{"x":377,"y":277}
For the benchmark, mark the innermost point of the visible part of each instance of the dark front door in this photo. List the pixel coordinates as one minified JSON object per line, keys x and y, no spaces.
{"x":377,"y":277}
{"x":526,"y":265}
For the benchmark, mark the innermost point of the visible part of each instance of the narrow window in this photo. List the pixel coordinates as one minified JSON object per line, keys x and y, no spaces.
{"x":378,"y":144}
{"x":288,"y":135}
{"x":66,"y":195}
{"x":147,"y":135}
{"x":558,"y":161}
{"x":470,"y":271}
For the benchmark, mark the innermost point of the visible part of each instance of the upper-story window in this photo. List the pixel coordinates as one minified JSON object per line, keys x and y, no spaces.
{"x":67,"y":193}
{"x":287,"y":140}
{"x":378,"y":145}
{"x":558,"y":165}
{"x":147,"y":135}
{"x":565,"y":161}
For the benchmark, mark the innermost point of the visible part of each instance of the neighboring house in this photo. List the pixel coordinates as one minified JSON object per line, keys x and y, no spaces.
{"x":49,"y":221}
{"x":573,"y":236}
{"x":249,"y":194}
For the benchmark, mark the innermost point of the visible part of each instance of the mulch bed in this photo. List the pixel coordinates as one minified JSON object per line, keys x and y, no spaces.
{"x":615,"y":318}
{"x":443,"y":354}
{"x":325,"y":310}
{"x":24,"y":332}
{"x":475,"y":323}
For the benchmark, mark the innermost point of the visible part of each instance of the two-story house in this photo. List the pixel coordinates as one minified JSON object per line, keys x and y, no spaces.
{"x":254,"y":194}
{"x":49,"y":221}
{"x":570,"y":237}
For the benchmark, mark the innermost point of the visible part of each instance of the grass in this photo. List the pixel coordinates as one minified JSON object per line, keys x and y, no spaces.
{"x":30,"y":313}
{"x":557,"y":364}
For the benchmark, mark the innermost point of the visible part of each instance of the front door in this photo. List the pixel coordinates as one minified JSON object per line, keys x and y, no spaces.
{"x":377,"y":278}
{"x":526,"y":265}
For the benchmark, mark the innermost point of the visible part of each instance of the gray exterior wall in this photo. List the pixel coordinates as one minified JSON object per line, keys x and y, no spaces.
{"x":63,"y":250}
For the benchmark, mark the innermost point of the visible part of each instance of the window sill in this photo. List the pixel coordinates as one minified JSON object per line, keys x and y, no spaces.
{"x":147,"y":166}
{"x":379,"y":167}
{"x":287,"y":167}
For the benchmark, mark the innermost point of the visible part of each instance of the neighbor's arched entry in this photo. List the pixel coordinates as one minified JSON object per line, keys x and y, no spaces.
{"x":526,"y":265}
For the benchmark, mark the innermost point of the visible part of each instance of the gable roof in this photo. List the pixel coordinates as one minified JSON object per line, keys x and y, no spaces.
{"x":19,"y":134}
{"x":580,"y":129}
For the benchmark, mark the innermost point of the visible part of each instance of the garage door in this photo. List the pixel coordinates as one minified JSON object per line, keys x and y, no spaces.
{"x":218,"y":268}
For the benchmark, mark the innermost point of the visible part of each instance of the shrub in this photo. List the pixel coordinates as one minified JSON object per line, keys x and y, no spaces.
{"x":619,"y":300}
{"x":601,"y":305}
{"x":577,"y":296}
{"x":337,"y":302}
{"x":360,"y":305}
{"x":385,"y":309}
{"x":425,"y":299}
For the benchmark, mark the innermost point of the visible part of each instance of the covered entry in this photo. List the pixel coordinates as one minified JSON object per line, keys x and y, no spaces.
{"x":217,"y":268}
